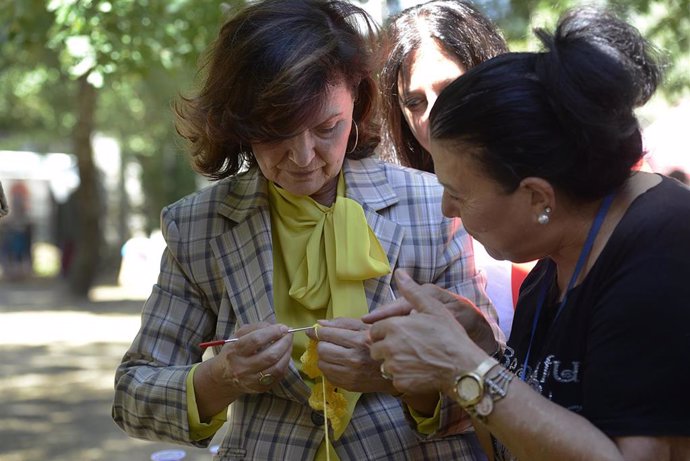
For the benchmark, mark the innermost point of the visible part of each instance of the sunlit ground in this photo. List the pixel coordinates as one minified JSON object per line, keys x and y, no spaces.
{"x":57,"y":362}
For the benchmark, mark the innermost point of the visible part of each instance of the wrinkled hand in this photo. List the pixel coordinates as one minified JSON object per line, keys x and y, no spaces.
{"x":262,"y":347}
{"x":344,"y":356}
{"x":425,"y":350}
{"x":462,"y":309}
{"x":400,"y":306}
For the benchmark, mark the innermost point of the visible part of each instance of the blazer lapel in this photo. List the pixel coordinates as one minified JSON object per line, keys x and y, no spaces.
{"x":368,"y":184}
{"x":245,"y":255}
{"x":244,"y":251}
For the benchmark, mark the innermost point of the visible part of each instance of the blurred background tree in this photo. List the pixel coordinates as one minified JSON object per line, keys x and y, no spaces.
{"x":666,"y":23}
{"x":70,"y":69}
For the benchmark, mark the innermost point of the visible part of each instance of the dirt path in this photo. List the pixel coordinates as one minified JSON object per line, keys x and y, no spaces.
{"x":57,"y":362}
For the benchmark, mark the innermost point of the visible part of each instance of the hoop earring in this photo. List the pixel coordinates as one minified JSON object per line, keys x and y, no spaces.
{"x":544,"y":217}
{"x":356,"y":138}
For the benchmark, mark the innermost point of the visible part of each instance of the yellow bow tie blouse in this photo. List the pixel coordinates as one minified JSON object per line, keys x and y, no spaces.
{"x":321,"y":255}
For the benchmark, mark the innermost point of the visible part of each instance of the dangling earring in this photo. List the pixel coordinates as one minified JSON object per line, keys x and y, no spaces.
{"x":544,"y":217}
{"x":356,"y":138}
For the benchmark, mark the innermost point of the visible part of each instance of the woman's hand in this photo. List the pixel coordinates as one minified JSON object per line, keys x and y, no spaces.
{"x":344,"y":356}
{"x":462,"y":309}
{"x":254,"y":363}
{"x":251,"y":365}
{"x":425,"y":350}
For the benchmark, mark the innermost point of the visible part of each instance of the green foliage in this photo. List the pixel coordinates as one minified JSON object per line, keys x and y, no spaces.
{"x":666,"y":23}
{"x":139,"y":54}
{"x":118,"y":37}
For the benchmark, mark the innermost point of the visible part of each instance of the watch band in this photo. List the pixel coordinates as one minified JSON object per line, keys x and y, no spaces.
{"x":491,"y":389}
{"x":485,"y":367}
{"x":497,"y":387}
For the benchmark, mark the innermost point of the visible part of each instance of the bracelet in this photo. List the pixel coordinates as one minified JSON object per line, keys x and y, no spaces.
{"x":498,"y":385}
{"x":497,"y":388}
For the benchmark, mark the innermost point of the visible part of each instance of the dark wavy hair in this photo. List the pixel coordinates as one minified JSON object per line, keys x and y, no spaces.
{"x":268,"y":72}
{"x":461,"y":30}
{"x":565,"y":114}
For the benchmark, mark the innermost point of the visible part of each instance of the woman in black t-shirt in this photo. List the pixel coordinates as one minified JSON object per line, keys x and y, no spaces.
{"x":536,"y":152}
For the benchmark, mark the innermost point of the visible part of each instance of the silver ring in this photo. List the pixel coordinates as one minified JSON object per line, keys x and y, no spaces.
{"x":265,"y":379}
{"x":384,"y":375}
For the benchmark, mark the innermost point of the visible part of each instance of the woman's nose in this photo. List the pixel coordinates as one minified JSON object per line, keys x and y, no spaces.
{"x":302,"y":149}
{"x":430,"y":100}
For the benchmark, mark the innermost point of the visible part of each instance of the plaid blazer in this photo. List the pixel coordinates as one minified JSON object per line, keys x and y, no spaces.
{"x":216,"y":275}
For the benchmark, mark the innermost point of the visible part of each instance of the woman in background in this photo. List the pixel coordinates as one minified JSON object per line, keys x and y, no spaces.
{"x":428,"y":46}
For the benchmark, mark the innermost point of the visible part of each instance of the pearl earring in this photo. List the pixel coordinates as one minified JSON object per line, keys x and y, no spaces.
{"x":544,"y":217}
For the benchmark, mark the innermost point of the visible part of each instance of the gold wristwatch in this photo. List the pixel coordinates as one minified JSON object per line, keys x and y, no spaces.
{"x":469,"y":387}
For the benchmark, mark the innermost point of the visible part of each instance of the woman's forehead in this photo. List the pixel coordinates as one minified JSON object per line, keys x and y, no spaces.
{"x":336,"y":100}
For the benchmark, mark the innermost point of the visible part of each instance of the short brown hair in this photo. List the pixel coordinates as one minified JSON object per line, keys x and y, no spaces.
{"x":267,"y":74}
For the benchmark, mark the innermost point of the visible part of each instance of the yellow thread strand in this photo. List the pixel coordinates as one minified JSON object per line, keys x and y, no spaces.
{"x":325,"y":419}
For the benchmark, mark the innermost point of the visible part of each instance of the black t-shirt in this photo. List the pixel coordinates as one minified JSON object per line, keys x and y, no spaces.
{"x":619,"y":352}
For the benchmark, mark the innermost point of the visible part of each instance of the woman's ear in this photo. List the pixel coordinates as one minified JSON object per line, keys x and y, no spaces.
{"x":541,"y":195}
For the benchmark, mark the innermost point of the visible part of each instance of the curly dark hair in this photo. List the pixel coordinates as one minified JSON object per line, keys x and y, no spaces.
{"x":269,"y":71}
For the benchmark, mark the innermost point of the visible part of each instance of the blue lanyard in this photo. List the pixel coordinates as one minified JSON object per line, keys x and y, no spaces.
{"x":586,"y":248}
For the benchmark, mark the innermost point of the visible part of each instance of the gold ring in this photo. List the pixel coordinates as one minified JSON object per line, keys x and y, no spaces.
{"x":384,"y":375}
{"x":265,"y":379}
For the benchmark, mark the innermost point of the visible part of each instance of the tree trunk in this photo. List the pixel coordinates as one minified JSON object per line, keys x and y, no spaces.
{"x":87,"y":196}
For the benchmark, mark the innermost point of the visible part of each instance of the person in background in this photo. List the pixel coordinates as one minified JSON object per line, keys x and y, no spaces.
{"x":17,"y":236}
{"x":4,"y":209}
{"x":303,"y":224}
{"x":536,"y":153}
{"x":4,"y":243}
{"x":426,"y":47}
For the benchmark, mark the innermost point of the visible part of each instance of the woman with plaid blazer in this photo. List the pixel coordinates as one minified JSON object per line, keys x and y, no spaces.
{"x":285,"y":121}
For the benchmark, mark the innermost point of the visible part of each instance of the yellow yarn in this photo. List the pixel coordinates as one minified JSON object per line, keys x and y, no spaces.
{"x":324,"y":405}
{"x":310,"y":358}
{"x":321,"y":257}
{"x":326,"y":398}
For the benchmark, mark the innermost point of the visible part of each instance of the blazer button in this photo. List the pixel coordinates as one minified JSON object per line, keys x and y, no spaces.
{"x":317,"y":418}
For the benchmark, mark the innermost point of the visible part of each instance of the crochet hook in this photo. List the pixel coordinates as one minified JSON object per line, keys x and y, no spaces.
{"x":220,"y":342}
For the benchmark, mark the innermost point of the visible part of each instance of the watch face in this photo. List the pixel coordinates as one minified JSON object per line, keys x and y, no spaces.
{"x":469,"y":389}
